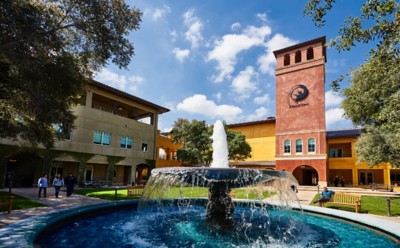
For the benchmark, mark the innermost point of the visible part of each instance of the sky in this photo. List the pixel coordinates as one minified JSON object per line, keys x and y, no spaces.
{"x":213,"y":59}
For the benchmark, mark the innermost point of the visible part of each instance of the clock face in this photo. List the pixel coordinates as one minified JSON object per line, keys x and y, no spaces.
{"x":298,"y":93}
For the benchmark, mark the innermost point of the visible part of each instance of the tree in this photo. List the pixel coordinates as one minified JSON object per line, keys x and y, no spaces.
{"x":48,"y":52}
{"x":379,"y":22}
{"x":197,"y":143}
{"x":373,"y":98}
{"x":375,"y":105}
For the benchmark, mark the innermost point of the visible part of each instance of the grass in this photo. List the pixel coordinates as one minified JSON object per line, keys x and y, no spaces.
{"x":371,"y":204}
{"x":174,"y":192}
{"x":19,"y":202}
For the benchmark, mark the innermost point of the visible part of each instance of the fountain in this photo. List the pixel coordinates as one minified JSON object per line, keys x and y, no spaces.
{"x":219,"y":178}
{"x":211,"y":220}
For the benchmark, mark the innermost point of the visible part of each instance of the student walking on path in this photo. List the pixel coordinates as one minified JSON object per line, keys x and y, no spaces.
{"x":58,"y":183}
{"x":70,"y":183}
{"x":42,"y":184}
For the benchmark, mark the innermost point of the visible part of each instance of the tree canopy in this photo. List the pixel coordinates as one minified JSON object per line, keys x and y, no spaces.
{"x":197,"y":143}
{"x":373,"y":97}
{"x":48,"y":51}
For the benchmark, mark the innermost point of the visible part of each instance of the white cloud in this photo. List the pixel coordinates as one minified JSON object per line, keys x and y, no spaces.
{"x":158,"y":13}
{"x":229,"y":46}
{"x":174,"y":35}
{"x":118,"y":81}
{"x":259,"y":114}
{"x":267,"y":61}
{"x":218,"y":96}
{"x":181,"y":54}
{"x":243,"y":84}
{"x":199,"y":104}
{"x":334,"y":116}
{"x":333,"y":99}
{"x":194,"y":24}
{"x":262,"y":17}
{"x":235,"y":27}
{"x":262,"y":99}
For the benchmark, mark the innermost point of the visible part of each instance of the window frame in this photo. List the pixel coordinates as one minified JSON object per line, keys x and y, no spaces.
{"x":299,"y":147}
{"x":102,"y":138}
{"x":311,"y":144}
{"x":124,"y":142}
{"x":289,"y":150}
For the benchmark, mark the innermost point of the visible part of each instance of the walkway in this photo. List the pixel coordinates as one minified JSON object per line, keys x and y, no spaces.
{"x":52,"y":203}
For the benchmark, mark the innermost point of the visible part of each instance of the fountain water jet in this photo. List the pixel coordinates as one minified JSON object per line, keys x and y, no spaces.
{"x":219,"y":178}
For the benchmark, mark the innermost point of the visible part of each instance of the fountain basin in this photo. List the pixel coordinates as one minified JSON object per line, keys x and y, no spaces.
{"x":29,"y":232}
{"x":233,"y":177}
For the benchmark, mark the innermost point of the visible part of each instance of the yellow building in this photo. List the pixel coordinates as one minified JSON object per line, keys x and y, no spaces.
{"x":342,"y":160}
{"x":166,"y":151}
{"x":261,"y":137}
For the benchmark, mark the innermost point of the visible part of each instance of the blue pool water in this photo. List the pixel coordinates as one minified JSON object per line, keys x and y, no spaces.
{"x":174,"y":227}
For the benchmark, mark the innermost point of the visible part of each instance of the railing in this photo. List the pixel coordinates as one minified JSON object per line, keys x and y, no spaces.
{"x":387,"y":187}
{"x":96,"y":184}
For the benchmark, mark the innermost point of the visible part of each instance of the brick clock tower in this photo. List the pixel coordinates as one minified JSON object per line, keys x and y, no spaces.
{"x":300,"y":111}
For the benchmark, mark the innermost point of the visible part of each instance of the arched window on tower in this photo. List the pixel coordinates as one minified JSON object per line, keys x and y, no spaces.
{"x":286,"y":147}
{"x":286,"y":60}
{"x":297,"y":58}
{"x":311,"y":145}
{"x":310,"y":53}
{"x":299,"y":146}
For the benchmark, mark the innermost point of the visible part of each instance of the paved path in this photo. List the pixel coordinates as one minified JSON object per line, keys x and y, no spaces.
{"x":305,"y":195}
{"x":51,"y":202}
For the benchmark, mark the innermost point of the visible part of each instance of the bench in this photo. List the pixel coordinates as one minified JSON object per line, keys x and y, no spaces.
{"x":6,"y":201}
{"x":345,"y":200}
{"x":135,"y":191}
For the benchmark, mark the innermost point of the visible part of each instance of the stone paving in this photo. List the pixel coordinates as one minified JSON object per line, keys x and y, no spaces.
{"x":52,"y":203}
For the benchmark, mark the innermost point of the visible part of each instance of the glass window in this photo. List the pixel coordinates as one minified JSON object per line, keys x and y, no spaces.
{"x":299,"y":145}
{"x":311,"y":145}
{"x":144,"y":146}
{"x":286,"y":146}
{"x":126,"y":142}
{"x":336,"y":153}
{"x":102,"y":138}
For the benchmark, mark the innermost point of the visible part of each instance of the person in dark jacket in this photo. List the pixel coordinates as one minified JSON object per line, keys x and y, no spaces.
{"x":70,"y":182}
{"x":336,"y":181}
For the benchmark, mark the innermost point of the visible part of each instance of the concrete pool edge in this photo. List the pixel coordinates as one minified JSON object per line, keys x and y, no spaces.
{"x":25,"y":232}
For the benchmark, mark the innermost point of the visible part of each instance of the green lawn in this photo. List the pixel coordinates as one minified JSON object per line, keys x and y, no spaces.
{"x":174,"y":192}
{"x":372,"y":205}
{"x":20,"y":202}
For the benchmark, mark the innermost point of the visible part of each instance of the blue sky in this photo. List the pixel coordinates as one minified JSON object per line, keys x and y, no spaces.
{"x":212,"y":59}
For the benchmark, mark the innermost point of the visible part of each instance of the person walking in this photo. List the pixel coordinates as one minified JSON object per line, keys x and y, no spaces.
{"x":42,"y":184}
{"x":58,"y":182}
{"x":336,"y":181}
{"x":342,"y":181}
{"x":70,"y":183}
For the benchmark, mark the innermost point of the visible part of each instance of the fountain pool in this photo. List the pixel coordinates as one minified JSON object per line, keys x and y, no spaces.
{"x":182,"y":226}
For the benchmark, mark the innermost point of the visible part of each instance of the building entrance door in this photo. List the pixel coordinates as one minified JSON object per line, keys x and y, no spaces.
{"x":365,"y":177}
